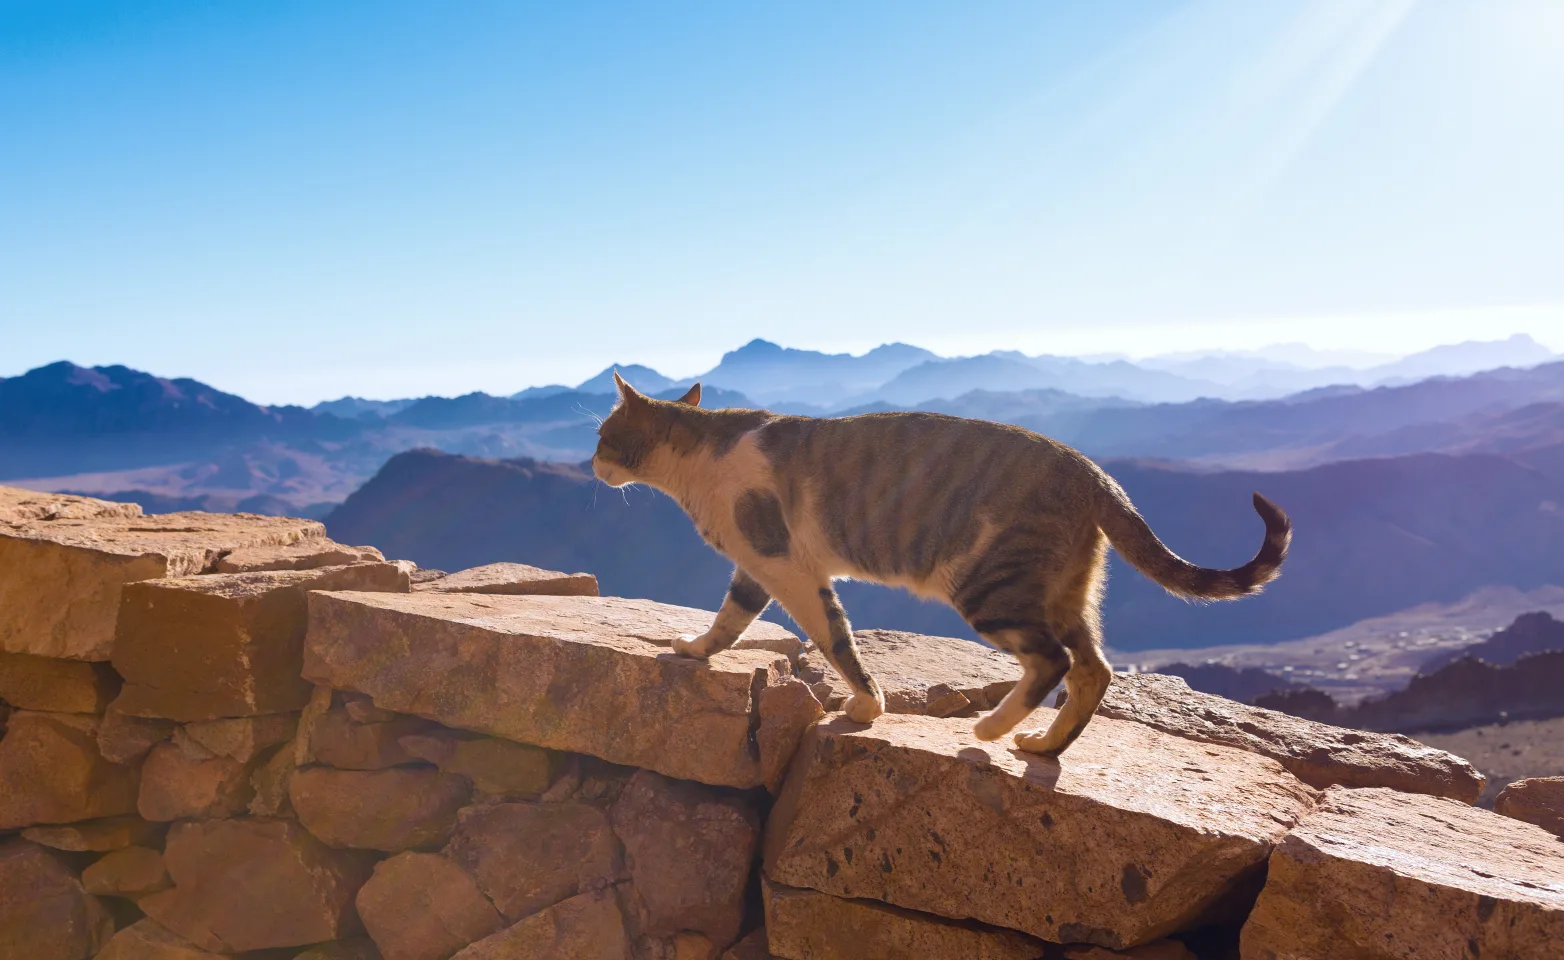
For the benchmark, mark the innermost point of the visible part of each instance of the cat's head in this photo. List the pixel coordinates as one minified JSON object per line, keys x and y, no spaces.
{"x":632,"y":444}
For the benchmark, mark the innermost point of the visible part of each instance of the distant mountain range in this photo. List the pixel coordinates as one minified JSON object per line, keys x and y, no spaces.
{"x":1373,"y":537}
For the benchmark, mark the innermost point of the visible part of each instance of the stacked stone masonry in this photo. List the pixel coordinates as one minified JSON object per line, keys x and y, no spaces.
{"x":228,"y":736}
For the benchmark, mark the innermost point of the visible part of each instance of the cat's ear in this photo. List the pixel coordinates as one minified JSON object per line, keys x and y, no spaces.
{"x":628,"y":394}
{"x":692,"y":396}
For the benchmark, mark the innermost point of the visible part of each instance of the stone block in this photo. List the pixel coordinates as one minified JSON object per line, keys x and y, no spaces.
{"x":128,"y":872}
{"x":588,"y":926}
{"x":809,"y":925}
{"x":44,"y":912}
{"x":254,"y":884}
{"x":50,"y":684}
{"x":308,"y":554}
{"x":1539,"y":800}
{"x":150,"y":940}
{"x":392,"y":810}
{"x":1317,"y":753}
{"x":516,"y":579}
{"x":337,"y":740}
{"x":176,"y":787}
{"x":60,"y":593}
{"x":51,"y":772}
{"x":583,"y":674}
{"x":1129,"y":836}
{"x":226,"y":645}
{"x":421,"y":906}
{"x":526,"y":856}
{"x":930,"y":676}
{"x":691,"y":850}
{"x":498,"y":768}
{"x":1380,"y":875}
{"x":240,"y":738}
{"x":19,"y":506}
{"x":125,"y":739}
{"x":96,"y":836}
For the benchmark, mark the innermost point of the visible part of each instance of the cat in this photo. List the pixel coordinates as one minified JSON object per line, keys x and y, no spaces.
{"x":1007,"y":526}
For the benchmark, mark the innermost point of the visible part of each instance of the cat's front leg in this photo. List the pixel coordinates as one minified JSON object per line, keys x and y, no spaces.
{"x":745,"y":601}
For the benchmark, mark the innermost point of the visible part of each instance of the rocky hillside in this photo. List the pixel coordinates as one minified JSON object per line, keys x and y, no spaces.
{"x":1373,"y":537}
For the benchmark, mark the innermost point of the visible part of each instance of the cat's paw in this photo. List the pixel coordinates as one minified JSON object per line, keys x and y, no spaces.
{"x":689,"y":645}
{"x":990,"y":727}
{"x":862,"y":708}
{"x":1038,"y":742}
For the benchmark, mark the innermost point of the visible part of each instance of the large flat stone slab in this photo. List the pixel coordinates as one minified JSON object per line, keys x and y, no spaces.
{"x":590,"y":675}
{"x":19,"y":506}
{"x":517,"y":579}
{"x":1317,"y":753}
{"x":225,"y":645}
{"x":1131,"y":835}
{"x":1380,"y":875}
{"x":934,"y":676}
{"x":61,"y":578}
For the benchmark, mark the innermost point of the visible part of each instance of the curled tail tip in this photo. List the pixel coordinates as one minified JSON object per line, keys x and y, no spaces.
{"x":1267,"y":565}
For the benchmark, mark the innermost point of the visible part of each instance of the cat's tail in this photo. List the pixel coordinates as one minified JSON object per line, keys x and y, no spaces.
{"x":1129,"y":533}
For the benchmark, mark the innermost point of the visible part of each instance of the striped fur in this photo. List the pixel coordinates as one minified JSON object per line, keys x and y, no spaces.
{"x":1007,"y":526}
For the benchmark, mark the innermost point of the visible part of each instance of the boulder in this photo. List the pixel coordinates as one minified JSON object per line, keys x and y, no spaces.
{"x":60,"y":591}
{"x":1129,"y":836}
{"x":44,"y":912}
{"x":526,"y":856}
{"x":125,"y":739}
{"x":499,"y":768}
{"x":808,"y":925}
{"x":127,"y":872}
{"x":309,"y":554}
{"x":584,"y":674}
{"x":421,"y":906}
{"x":1318,"y":754}
{"x":51,"y":772}
{"x":50,"y":684}
{"x":239,"y":738}
{"x":1539,"y":800}
{"x":1375,"y":874}
{"x":174,"y":786}
{"x":690,"y":849}
{"x":392,"y":810}
{"x":588,"y":926}
{"x":514,"y":579}
{"x":932,"y":676}
{"x":226,"y":645}
{"x":338,"y":741}
{"x":96,"y":836}
{"x":150,"y":940}
{"x":253,"y":884}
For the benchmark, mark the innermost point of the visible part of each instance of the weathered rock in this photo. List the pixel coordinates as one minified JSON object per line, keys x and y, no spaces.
{"x":541,"y":670}
{"x":253,"y":884}
{"x":390,"y":810}
{"x":226,"y":645}
{"x":270,"y":783}
{"x":18,"y":506}
{"x":30,"y":682}
{"x":150,"y":940}
{"x":932,"y":676}
{"x":500,"y":768}
{"x":526,"y":856}
{"x":125,"y":739}
{"x":240,"y":738}
{"x":44,"y":912}
{"x":421,"y":906}
{"x":787,"y":709}
{"x":309,"y":554}
{"x":753,"y":946}
{"x":585,"y":927}
{"x":60,"y":593}
{"x":1318,"y":754}
{"x":1539,"y":800}
{"x":337,"y":741}
{"x":97,"y":836}
{"x":1376,"y":874}
{"x":1130,"y":835}
{"x":359,"y":948}
{"x":690,"y":849}
{"x":808,"y":925}
{"x":51,"y":772}
{"x":175,"y":787}
{"x":127,"y":872}
{"x":514,"y":579}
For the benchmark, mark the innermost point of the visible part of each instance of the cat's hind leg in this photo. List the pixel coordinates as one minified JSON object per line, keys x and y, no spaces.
{"x":1085,"y":686}
{"x":745,"y":601}
{"x":1044,"y":661}
{"x":814,"y":606}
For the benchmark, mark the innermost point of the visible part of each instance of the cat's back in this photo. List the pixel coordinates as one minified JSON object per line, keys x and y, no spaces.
{"x":900,"y":437}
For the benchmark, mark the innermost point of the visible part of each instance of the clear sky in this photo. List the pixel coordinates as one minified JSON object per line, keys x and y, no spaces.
{"x":297,"y":200}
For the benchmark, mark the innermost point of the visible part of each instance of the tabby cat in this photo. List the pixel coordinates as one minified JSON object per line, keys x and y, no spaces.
{"x":1009,"y":527}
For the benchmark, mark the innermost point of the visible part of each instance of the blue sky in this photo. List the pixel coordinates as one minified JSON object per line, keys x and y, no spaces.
{"x":295,"y":200}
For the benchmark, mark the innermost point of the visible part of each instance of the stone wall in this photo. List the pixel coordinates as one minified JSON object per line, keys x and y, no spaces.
{"x":227,"y":736}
